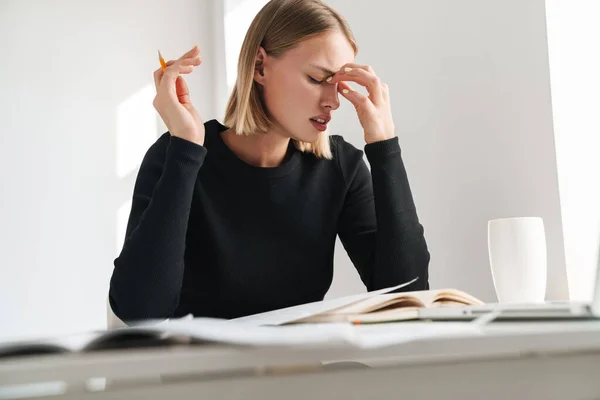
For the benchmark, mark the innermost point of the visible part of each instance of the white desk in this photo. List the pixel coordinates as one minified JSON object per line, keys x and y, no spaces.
{"x":511,"y":360}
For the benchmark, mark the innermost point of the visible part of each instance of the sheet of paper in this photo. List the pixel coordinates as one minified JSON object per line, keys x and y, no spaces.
{"x":389,"y":334}
{"x":314,"y":335}
{"x":285,"y":315}
{"x":227,"y":331}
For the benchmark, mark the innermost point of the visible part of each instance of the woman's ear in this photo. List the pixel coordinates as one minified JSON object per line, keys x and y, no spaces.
{"x":259,"y":65}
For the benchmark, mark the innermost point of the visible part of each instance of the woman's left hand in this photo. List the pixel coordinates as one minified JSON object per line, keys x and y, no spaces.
{"x":374,"y":112}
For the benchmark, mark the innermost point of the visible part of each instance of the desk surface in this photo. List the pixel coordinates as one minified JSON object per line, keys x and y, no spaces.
{"x":500,"y":340}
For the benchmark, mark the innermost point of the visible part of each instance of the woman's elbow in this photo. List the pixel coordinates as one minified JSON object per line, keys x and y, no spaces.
{"x":130,"y":311}
{"x":130,"y":303}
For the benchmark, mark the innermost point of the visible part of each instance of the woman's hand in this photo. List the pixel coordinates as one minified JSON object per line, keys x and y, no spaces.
{"x":172,"y":99}
{"x":374,"y":112}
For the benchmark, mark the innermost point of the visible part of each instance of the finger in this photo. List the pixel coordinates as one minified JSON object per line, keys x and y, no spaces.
{"x":364,"y":78}
{"x":170,"y":76}
{"x":386,"y":92}
{"x":357,"y":99}
{"x":192,"y":53}
{"x":159,"y":73}
{"x":196,"y":60}
{"x":183,"y":92}
{"x":367,"y":68}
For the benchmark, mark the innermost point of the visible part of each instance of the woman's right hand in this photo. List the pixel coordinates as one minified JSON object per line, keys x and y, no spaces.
{"x":172,"y":99}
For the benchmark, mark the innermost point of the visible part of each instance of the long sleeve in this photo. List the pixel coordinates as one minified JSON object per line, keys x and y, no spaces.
{"x":147,"y":278}
{"x":379,"y":226}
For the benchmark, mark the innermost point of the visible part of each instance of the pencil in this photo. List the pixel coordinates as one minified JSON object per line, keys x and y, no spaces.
{"x":163,"y":65}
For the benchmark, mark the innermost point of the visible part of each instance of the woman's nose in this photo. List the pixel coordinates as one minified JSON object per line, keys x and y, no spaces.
{"x":331,"y":97}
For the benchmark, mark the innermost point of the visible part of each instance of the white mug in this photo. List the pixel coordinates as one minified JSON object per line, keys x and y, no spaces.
{"x":518,"y":259}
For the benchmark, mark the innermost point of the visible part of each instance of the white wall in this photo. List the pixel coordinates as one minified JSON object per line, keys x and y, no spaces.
{"x":75,"y":107}
{"x":573,"y":37}
{"x":470,"y":90}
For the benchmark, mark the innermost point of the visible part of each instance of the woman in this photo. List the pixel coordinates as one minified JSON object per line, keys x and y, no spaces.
{"x":239,"y":218}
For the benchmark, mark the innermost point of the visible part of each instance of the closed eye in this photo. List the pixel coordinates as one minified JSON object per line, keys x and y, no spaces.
{"x":315,"y":81}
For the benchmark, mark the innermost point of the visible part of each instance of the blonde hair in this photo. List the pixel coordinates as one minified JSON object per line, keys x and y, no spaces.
{"x":279,"y":26}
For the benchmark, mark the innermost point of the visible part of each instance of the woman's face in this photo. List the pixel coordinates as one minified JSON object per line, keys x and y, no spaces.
{"x":294,"y":87}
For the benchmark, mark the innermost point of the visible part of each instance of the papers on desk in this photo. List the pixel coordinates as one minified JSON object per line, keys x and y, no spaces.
{"x":329,"y":334}
{"x":266,"y":329}
{"x":216,"y":331}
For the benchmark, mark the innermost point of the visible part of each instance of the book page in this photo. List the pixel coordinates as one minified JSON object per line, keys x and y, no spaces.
{"x":396,"y":302}
{"x":290,"y":314}
{"x":459,"y":297}
{"x":376,"y":303}
{"x":387,"y":301}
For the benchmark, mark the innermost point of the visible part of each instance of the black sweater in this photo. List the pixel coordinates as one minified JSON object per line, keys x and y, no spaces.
{"x":215,"y":237}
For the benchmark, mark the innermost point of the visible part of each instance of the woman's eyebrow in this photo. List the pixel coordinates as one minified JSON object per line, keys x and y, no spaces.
{"x":326,"y":70}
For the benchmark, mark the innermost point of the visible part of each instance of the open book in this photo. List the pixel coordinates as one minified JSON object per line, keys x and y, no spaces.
{"x":288,"y":315}
{"x":389,"y":307}
{"x":370,"y":307}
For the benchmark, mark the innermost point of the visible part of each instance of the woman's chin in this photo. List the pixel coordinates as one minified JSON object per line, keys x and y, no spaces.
{"x":307,"y":138}
{"x":310,"y":136}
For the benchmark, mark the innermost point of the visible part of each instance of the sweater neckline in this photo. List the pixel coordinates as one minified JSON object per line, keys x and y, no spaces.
{"x":237,"y":165}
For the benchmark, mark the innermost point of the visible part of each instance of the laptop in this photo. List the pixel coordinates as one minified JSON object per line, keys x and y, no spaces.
{"x":551,"y":310}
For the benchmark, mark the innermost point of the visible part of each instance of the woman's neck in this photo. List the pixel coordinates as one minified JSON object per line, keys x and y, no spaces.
{"x":260,"y":150}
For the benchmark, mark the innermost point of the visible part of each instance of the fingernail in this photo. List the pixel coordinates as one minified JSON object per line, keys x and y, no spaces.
{"x":347,"y":69}
{"x":329,"y":79}
{"x":345,"y":91}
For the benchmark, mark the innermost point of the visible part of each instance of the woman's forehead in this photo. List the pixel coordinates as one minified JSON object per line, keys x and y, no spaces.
{"x":326,"y":51}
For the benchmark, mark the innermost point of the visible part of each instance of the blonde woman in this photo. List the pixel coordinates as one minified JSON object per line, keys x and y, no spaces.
{"x":240,"y":217}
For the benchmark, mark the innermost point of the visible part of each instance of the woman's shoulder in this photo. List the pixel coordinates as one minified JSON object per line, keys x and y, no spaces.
{"x":213,"y":126}
{"x":343,"y":151}
{"x":347,"y":158}
{"x":343,"y":147}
